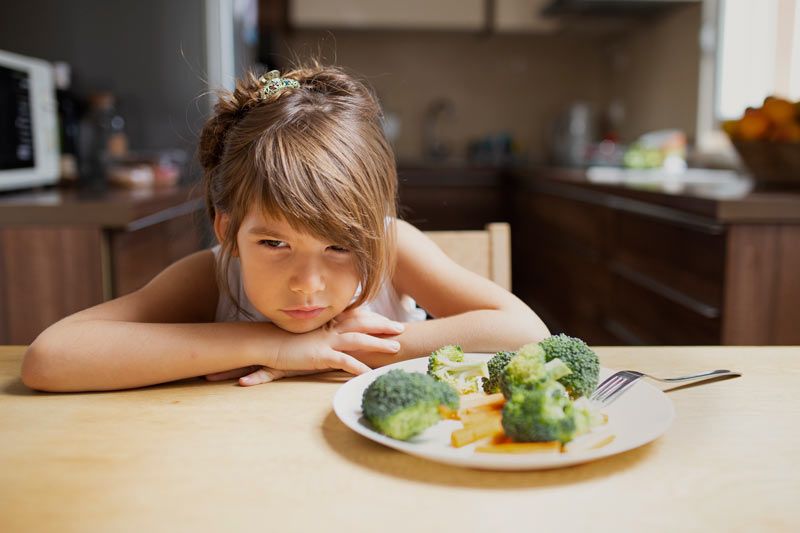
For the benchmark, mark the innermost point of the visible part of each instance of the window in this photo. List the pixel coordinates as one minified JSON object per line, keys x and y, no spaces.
{"x":750,"y":50}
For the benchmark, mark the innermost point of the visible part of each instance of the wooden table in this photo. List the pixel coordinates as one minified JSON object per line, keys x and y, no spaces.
{"x":204,"y":456}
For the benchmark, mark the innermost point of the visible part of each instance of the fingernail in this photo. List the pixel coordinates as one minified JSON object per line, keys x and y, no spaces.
{"x":394,"y":345}
{"x":397,"y":326}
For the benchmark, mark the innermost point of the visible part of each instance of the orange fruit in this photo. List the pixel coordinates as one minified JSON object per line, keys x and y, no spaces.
{"x":787,"y":133}
{"x":778,"y":110}
{"x":731,"y":127}
{"x":753,"y":125}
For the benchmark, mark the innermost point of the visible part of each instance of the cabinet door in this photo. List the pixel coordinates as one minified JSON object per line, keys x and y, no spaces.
{"x":137,"y":256}
{"x":46,"y":274}
{"x":522,"y":16}
{"x":389,"y":14}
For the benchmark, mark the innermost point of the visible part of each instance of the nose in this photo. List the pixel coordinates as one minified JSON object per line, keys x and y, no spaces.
{"x":307,"y":278}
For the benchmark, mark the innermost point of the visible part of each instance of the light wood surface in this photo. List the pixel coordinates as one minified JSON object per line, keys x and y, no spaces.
{"x":198,"y":456}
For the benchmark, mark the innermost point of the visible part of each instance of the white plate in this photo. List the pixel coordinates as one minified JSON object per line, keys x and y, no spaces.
{"x":639,"y":416}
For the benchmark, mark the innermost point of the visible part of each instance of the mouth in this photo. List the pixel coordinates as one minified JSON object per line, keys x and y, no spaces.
{"x":303,"y":312}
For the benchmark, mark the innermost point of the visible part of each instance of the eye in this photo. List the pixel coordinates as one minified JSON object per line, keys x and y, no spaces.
{"x":270,"y":243}
{"x":339,"y":249}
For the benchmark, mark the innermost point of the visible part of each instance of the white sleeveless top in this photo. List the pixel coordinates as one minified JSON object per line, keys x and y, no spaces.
{"x":386,"y":302}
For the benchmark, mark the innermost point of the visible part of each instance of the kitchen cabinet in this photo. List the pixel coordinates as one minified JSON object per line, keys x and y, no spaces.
{"x":452,"y":196}
{"x":64,"y":250}
{"x":522,"y":16}
{"x":621,"y":266}
{"x":388,"y":14}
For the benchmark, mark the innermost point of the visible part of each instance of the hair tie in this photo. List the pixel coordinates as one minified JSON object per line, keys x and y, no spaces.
{"x":273,"y":83}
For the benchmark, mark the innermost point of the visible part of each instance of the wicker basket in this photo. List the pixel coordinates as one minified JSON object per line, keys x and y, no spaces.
{"x":771,"y":162}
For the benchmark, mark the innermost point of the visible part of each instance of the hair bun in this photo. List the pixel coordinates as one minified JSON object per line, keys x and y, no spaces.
{"x":230,"y":107}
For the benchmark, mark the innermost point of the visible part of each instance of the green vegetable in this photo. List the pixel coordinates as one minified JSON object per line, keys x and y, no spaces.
{"x":586,"y":414}
{"x":528,"y":369}
{"x":496,"y":365}
{"x":579,"y":358}
{"x":544,"y":413}
{"x":447,"y":364}
{"x":402,"y":404}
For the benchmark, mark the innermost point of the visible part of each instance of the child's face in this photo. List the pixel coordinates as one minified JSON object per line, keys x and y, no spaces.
{"x":292,"y":278}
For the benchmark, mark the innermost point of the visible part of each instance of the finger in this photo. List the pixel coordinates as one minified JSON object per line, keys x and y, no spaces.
{"x":342,"y":361}
{"x":231,"y":374}
{"x":292,"y":373}
{"x":262,"y":375}
{"x":363,"y":342}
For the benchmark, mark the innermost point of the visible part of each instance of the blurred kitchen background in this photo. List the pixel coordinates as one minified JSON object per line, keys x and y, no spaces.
{"x":653,"y":193}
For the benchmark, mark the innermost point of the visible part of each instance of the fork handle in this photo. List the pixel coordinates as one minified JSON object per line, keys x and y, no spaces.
{"x":702,"y":376}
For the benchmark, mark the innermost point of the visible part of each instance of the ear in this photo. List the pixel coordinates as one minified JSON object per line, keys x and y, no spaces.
{"x":221,"y":223}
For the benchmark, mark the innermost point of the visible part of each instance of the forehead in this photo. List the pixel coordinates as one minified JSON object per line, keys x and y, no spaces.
{"x":259,"y":222}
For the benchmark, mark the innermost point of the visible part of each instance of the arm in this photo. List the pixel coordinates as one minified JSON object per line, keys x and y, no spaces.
{"x":469,"y":309}
{"x":165,"y":331}
{"x":149,"y":336}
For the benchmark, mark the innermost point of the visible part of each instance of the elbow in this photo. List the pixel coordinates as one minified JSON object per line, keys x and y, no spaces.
{"x":37,"y":368}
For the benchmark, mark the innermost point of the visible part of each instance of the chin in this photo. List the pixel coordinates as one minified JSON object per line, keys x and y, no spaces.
{"x":300,"y":326}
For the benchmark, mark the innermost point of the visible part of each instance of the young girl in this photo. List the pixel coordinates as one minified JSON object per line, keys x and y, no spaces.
{"x":313,"y":271}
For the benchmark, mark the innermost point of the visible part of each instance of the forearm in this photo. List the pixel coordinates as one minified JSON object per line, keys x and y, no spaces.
{"x":107,"y":355}
{"x":474,"y":331}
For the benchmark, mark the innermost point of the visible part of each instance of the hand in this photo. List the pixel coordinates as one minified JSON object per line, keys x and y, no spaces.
{"x":330,"y":347}
{"x":361,"y":320}
{"x":256,"y":375}
{"x":358,"y":320}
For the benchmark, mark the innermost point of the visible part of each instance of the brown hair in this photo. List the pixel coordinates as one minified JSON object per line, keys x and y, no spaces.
{"x":315,"y":156}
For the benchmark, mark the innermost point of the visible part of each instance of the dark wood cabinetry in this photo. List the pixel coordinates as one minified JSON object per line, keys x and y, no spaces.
{"x":63,"y":251}
{"x":617,"y":265}
{"x":452,"y":197}
{"x":608,"y":266}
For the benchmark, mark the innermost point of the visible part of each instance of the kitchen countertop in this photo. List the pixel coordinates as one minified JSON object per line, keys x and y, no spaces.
{"x":721,"y":203}
{"x":201,"y":456}
{"x":112,"y":207}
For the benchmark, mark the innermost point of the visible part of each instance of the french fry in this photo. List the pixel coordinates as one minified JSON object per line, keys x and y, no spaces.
{"x":447,"y":413}
{"x":477,"y":417}
{"x":488,"y":427}
{"x":520,"y":447}
{"x":488,"y":403}
{"x":472,"y":401}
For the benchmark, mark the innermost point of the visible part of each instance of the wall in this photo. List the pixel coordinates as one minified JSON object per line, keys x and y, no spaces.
{"x":150,"y":53}
{"x":517,"y":83}
{"x":521,"y":82}
{"x":656,"y":73}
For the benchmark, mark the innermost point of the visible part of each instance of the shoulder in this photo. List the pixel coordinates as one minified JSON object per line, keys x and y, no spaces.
{"x":193,"y":278}
{"x":185,"y":291}
{"x":409,"y":238}
{"x":415,"y":254}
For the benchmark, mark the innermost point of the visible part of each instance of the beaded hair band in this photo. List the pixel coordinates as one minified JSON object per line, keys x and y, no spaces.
{"x":273,"y":83}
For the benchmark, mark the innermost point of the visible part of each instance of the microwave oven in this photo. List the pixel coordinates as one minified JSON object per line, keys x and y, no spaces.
{"x":29,"y":145}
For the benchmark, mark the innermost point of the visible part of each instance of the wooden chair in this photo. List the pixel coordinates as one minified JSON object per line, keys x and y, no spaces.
{"x":486,"y":252}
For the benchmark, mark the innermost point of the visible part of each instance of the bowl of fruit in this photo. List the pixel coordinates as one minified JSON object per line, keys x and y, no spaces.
{"x":767,"y":139}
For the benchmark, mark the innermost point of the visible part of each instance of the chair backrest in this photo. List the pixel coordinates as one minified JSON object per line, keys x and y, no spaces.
{"x":486,"y":252}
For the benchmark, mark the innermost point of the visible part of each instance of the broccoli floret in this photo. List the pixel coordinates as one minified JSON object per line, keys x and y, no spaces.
{"x":496,"y":365}
{"x":524,"y":370}
{"x":528,"y":369}
{"x":587,"y":415}
{"x":579,"y":358}
{"x":447,"y":364}
{"x":544,"y":413}
{"x":402,"y":404}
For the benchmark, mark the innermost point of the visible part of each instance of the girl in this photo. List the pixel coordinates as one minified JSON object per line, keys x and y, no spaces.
{"x":313,"y":271}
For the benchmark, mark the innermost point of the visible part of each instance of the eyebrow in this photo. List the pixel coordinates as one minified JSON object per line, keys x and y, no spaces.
{"x":261,"y":230}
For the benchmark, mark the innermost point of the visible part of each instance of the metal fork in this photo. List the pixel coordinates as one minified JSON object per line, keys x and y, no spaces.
{"x":612,"y":387}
